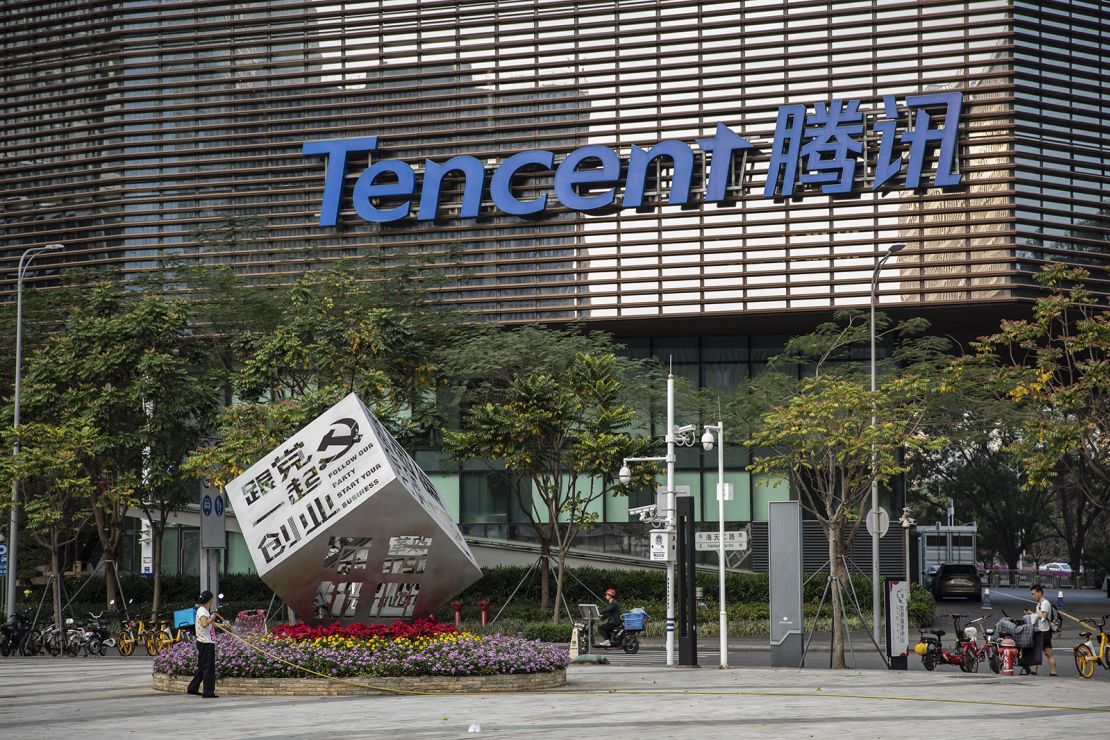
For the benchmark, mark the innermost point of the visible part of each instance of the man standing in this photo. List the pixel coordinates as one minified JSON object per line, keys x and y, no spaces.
{"x":206,"y":648}
{"x":1042,"y":631}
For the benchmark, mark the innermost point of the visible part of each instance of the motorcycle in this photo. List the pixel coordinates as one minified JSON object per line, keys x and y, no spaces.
{"x":625,"y":636}
{"x":12,"y":634}
{"x":98,"y":634}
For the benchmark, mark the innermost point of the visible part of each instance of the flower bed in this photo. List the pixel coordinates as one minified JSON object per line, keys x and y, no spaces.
{"x":345,"y":652}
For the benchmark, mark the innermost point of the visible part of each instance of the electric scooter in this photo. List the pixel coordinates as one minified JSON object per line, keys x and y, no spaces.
{"x":932,"y":651}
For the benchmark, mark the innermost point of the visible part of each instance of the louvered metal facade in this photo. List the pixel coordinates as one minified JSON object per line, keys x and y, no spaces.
{"x":133,"y":132}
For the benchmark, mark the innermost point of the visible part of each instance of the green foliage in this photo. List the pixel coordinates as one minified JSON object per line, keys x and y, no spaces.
{"x":747,"y":595}
{"x":241,"y":591}
{"x":56,"y":488}
{"x":1056,"y":367}
{"x":338,"y":333}
{"x":547,"y":632}
{"x":561,"y":427}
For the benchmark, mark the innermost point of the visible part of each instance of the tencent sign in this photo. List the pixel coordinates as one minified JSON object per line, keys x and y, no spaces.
{"x":813,"y":150}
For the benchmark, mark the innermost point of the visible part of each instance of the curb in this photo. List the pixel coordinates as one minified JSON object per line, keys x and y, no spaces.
{"x":393,"y":685}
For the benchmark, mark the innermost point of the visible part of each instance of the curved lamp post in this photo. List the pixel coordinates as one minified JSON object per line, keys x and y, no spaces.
{"x":13,"y":536}
{"x":876,"y":593}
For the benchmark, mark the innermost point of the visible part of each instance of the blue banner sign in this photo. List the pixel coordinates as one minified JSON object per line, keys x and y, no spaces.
{"x":813,"y":150}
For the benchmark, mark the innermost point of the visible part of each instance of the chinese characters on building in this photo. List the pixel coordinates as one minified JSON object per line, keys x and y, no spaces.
{"x":821,"y":149}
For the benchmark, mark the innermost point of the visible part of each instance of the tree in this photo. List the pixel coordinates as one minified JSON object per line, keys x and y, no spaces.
{"x":52,"y":470}
{"x":124,"y":367}
{"x":1056,"y":365}
{"x":553,"y":409}
{"x":339,"y":334}
{"x":818,"y":431}
{"x":974,"y":464}
{"x":1080,"y":501}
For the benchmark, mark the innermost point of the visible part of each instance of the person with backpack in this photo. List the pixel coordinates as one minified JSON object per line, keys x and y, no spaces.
{"x":1043,"y":618}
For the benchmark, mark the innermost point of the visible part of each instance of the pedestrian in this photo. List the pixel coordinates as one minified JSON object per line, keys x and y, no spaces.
{"x":1039,"y":616}
{"x":206,"y":648}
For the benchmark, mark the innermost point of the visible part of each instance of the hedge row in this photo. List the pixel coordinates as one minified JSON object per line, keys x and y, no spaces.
{"x":241,"y":591}
{"x":749,"y":593}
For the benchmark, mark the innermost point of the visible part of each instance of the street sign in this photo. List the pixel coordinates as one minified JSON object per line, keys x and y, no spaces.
{"x":897,"y":620}
{"x":662,"y":545}
{"x":710,"y":541}
{"x":213,"y":524}
{"x":3,"y":559}
{"x":883,"y":524}
{"x":726,"y":493}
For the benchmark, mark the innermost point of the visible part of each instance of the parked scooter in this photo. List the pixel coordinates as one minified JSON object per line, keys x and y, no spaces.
{"x":12,"y":633}
{"x":932,"y":651}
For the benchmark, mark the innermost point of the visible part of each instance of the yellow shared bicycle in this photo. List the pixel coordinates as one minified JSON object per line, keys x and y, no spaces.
{"x":1089,"y":653}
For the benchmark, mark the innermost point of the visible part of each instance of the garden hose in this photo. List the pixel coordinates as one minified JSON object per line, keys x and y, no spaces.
{"x":681,"y":692}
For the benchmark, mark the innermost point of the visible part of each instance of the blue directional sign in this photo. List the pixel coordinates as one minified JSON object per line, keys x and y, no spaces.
{"x":219,"y":506}
{"x":206,"y":505}
{"x":3,"y":560}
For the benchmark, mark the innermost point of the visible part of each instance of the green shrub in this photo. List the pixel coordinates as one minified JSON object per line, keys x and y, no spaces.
{"x":548,"y":632}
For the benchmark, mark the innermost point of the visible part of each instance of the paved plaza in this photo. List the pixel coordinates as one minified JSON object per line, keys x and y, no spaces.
{"x":91,"y":698}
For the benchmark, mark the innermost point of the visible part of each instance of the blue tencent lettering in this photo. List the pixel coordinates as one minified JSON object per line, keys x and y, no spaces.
{"x":475,"y":174}
{"x":335,"y":152}
{"x":682,"y":157}
{"x":501,"y":185}
{"x":817,"y":151}
{"x":367,"y":187}
{"x":721,"y":147}
{"x":587,"y":178}
{"x":568,"y":177}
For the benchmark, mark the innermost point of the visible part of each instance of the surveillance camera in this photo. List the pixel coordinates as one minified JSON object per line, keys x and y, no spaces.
{"x":707,"y":440}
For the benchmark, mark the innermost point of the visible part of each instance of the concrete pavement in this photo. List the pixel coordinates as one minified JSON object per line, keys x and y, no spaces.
{"x":109,"y":698}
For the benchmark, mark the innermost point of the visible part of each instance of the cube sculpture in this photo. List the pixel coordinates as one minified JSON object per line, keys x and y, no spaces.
{"x":344,"y":526}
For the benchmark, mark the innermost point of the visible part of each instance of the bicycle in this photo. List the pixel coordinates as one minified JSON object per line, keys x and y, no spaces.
{"x":158,"y":639}
{"x":1086,"y":656}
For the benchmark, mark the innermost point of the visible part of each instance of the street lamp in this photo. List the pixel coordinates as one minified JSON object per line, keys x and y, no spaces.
{"x":13,"y":537}
{"x":707,"y":445}
{"x":875,"y":592}
{"x":675,"y":435}
{"x":906,"y":521}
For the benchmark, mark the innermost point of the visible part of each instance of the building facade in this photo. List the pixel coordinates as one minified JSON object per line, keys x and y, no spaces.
{"x":762,"y":155}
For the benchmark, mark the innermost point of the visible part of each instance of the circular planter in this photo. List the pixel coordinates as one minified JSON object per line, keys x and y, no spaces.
{"x":399,"y":685}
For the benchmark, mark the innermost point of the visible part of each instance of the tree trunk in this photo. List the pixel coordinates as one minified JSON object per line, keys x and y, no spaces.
{"x":560,"y":577}
{"x":545,"y":573}
{"x":110,"y":578}
{"x":56,"y":570}
{"x":835,"y":535}
{"x":156,"y":568}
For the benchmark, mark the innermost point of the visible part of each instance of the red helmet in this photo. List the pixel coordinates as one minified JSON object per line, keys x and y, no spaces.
{"x":611,"y":592}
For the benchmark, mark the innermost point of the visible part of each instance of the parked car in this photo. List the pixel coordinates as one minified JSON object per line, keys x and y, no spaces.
{"x":1056,"y":569}
{"x":958,"y":579}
